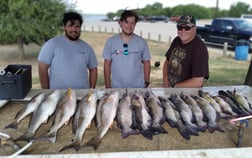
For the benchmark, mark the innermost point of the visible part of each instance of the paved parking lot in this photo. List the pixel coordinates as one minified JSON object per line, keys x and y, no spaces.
{"x":164,"y":32}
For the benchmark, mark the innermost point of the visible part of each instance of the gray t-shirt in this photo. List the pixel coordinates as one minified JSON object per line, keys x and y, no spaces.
{"x":69,"y":62}
{"x":127,"y":70}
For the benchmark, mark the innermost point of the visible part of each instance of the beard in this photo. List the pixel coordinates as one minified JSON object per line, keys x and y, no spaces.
{"x":72,"y":38}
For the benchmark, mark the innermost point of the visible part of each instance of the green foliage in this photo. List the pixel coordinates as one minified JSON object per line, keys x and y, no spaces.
{"x":238,"y":9}
{"x":30,"y":20}
{"x":197,"y":11}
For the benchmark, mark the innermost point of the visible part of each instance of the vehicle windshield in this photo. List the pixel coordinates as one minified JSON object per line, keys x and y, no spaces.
{"x":243,"y":24}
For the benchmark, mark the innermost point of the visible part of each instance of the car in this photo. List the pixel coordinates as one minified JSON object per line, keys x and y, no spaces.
{"x":174,"y":18}
{"x":230,"y":30}
{"x":247,"y":17}
{"x":157,"y":18}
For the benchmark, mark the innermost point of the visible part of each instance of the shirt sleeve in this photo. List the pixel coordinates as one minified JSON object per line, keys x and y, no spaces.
{"x":47,"y":52}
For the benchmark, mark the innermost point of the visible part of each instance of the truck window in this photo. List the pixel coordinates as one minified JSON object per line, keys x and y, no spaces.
{"x":216,"y":24}
{"x":227,"y":25}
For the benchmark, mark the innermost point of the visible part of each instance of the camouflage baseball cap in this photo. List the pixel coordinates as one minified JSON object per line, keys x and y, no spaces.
{"x":186,"y":20}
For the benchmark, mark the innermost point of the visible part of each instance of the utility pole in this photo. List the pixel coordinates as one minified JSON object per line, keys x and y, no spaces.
{"x":216,"y":9}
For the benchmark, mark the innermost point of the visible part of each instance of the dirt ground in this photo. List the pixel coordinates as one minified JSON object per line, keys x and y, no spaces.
{"x":113,"y":141}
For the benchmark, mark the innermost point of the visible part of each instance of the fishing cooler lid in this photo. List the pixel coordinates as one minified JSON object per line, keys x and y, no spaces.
{"x":15,"y":81}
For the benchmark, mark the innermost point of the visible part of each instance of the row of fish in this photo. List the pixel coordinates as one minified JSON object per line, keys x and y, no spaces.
{"x":135,"y":114}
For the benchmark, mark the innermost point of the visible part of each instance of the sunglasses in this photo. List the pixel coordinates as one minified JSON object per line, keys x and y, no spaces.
{"x":187,"y":28}
{"x":125,"y":47}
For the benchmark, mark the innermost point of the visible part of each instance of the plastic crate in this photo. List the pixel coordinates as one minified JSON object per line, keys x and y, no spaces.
{"x":15,"y":81}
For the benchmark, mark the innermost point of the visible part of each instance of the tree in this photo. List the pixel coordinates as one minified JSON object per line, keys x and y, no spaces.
{"x":29,"y":21}
{"x":195,"y":10}
{"x":238,"y":9}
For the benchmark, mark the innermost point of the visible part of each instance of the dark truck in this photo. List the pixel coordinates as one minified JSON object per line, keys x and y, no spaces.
{"x":230,"y":30}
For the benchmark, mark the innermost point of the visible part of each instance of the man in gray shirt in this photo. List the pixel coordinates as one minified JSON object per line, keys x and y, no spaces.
{"x":66,"y":60}
{"x":126,"y":56}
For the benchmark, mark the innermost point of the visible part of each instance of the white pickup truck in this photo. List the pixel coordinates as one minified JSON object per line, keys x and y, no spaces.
{"x":247,"y":17}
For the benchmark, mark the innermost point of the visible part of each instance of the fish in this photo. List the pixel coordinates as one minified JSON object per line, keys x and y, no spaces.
{"x":82,"y":119}
{"x":64,"y":112}
{"x":185,"y":113}
{"x":27,"y":110}
{"x":105,"y":115}
{"x":215,"y":105}
{"x":3,"y":103}
{"x":143,"y":118}
{"x":156,"y":112}
{"x":209,"y":112}
{"x":233,"y":104}
{"x":197,"y":112}
{"x":242,"y":100}
{"x":225,"y":106}
{"x":41,"y":115}
{"x":125,"y":117}
{"x":173,"y":118}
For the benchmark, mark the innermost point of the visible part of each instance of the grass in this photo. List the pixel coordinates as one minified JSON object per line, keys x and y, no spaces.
{"x":224,"y":71}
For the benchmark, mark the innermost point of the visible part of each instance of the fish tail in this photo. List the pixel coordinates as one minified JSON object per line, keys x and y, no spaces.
{"x":203,"y":127}
{"x":76,"y":145}
{"x":25,"y":137}
{"x":126,"y":133}
{"x":214,"y":127}
{"x":13,"y":125}
{"x":147,"y":134}
{"x":158,"y":130}
{"x":192,"y":130}
{"x":50,"y":136}
{"x":94,"y":142}
{"x":184,"y":132}
{"x":172,"y":123}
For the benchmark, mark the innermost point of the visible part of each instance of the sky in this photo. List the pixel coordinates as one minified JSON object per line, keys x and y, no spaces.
{"x":105,"y":6}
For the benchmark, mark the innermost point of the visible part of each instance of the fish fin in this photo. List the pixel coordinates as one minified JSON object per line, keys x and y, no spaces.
{"x":89,"y":125}
{"x":94,"y":142}
{"x":76,"y":145}
{"x":126,"y":133}
{"x":50,"y":136}
{"x":112,"y":124}
{"x":66,"y":123}
{"x":158,"y":130}
{"x":13,"y":125}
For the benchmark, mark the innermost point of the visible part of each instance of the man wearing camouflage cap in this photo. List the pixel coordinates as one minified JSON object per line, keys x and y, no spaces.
{"x":186,"y":63}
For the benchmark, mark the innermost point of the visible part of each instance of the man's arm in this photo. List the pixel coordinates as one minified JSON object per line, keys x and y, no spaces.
{"x":43,"y":75}
{"x":92,"y":77}
{"x":165,"y":74}
{"x":147,"y":69}
{"x":107,"y":72}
